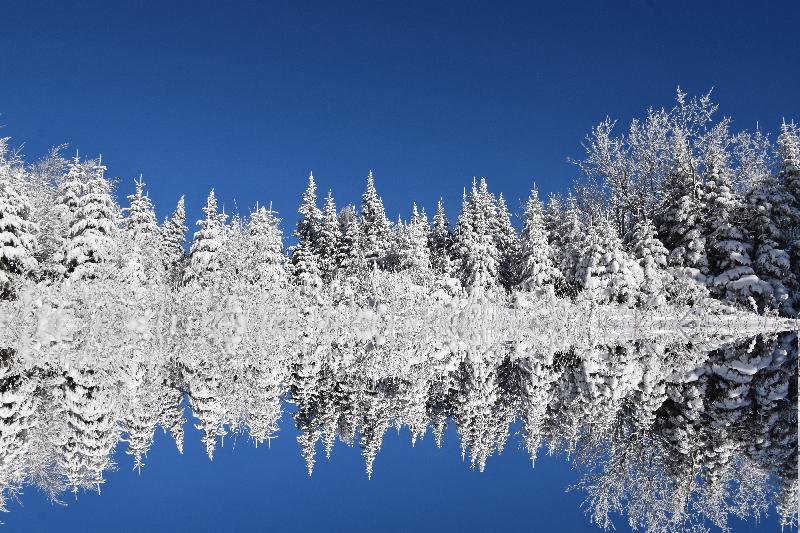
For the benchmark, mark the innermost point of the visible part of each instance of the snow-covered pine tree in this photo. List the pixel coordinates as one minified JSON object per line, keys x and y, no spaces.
{"x":141,"y":219}
{"x":90,"y":245}
{"x":537,"y":268}
{"x":350,"y":262}
{"x":788,"y":144}
{"x":328,"y":239}
{"x":17,"y":231}
{"x":605,"y":272}
{"x":418,"y":259}
{"x":731,"y":275}
{"x":476,"y":242}
{"x":143,"y":231}
{"x":374,"y":225}
{"x":680,"y":222}
{"x":440,"y":241}
{"x":265,"y":257}
{"x":651,"y":255}
{"x":204,"y":260}
{"x":767,"y":203}
{"x":508,"y":247}
{"x":568,"y":241}
{"x":305,"y":256}
{"x":173,"y":238}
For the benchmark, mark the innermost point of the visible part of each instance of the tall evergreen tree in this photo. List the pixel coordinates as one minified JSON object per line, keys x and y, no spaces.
{"x":645,"y":248}
{"x":537,"y":269}
{"x":440,"y":241}
{"x":90,"y":245}
{"x":17,"y":233}
{"x":328,"y":239}
{"x":265,"y":260}
{"x":681,"y":217}
{"x":728,"y":247}
{"x":508,"y":247}
{"x":173,"y":238}
{"x":143,"y":231}
{"x":204,"y":254}
{"x":374,"y":225}
{"x":788,"y":144}
{"x":568,"y":240}
{"x":305,"y":256}
{"x":350,"y":262}
{"x":476,"y":242}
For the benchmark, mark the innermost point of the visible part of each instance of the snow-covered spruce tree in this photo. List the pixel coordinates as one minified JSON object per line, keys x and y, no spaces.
{"x":17,"y":231}
{"x":680,"y":221}
{"x":440,"y":241}
{"x":173,"y":238}
{"x":374,"y":225}
{"x":568,"y":240}
{"x":645,"y":248}
{"x":767,"y":203}
{"x":305,"y":255}
{"x":328,"y":239}
{"x":90,"y":246}
{"x":508,"y":247}
{"x":204,"y":260}
{"x":418,"y":260}
{"x":605,"y":272}
{"x":141,"y":218}
{"x":476,"y":242}
{"x":143,"y":232}
{"x":728,"y":247}
{"x":537,"y":268}
{"x":350,"y":262}
{"x":788,"y":144}
{"x":264,"y":244}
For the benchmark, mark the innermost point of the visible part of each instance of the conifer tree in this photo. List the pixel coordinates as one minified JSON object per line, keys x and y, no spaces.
{"x":90,"y":245}
{"x":265,"y":259}
{"x":605,"y":271}
{"x":788,"y":147}
{"x":728,"y":247}
{"x":476,"y":242}
{"x":680,"y":221}
{"x":537,"y":269}
{"x":305,"y":255}
{"x":328,"y":239}
{"x":645,"y":248}
{"x":204,"y":254}
{"x":350,"y":262}
{"x":769,"y":204}
{"x":374,"y":225}
{"x":17,"y":233}
{"x":568,"y":240}
{"x":440,"y":241}
{"x":173,"y":238}
{"x":508,"y":247}
{"x":141,"y":219}
{"x":143,"y":231}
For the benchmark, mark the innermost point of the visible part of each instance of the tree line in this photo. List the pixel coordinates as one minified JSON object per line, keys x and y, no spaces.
{"x":675,"y":209}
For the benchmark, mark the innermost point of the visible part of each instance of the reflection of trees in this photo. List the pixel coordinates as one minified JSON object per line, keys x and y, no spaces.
{"x":668,"y":434}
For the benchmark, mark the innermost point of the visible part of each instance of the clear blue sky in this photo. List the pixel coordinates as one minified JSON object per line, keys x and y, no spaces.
{"x":248,"y":97}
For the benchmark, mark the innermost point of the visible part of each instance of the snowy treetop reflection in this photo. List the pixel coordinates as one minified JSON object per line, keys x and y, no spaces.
{"x":674,"y":417}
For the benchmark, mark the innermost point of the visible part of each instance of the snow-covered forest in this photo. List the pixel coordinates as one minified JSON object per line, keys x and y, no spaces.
{"x":676,"y":208}
{"x":636,"y":323}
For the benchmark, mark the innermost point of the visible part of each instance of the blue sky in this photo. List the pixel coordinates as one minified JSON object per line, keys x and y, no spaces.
{"x":248,"y":97}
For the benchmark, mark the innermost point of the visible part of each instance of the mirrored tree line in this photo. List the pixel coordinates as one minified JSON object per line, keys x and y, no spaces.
{"x":665,"y":431}
{"x":608,"y":327}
